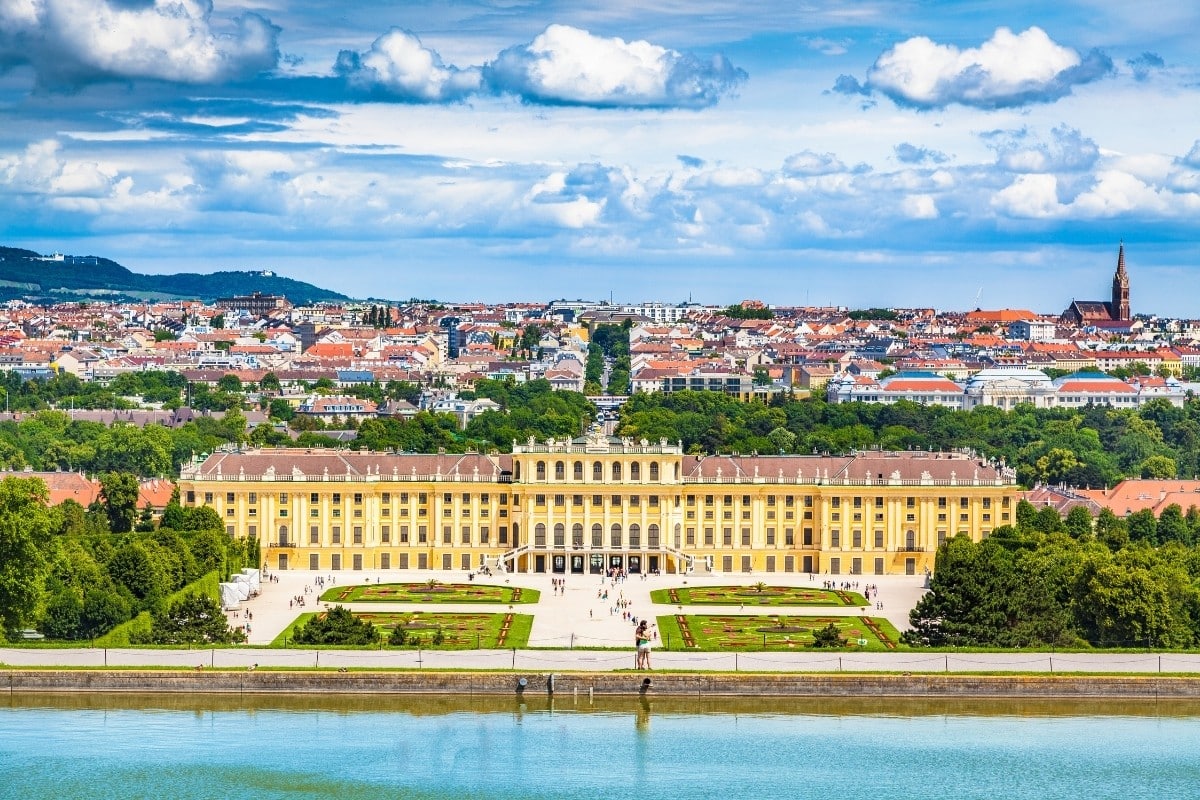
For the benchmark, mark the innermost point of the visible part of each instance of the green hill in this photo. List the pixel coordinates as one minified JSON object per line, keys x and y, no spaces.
{"x":25,"y":275}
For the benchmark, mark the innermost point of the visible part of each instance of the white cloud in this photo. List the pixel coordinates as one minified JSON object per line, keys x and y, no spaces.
{"x":1192,"y":159}
{"x":70,"y":42}
{"x":571,"y":66}
{"x":400,"y":65}
{"x":806,"y":162}
{"x":920,"y":206}
{"x":18,"y":15}
{"x":1010,"y":69}
{"x":1032,"y":196}
{"x":1021,"y":151}
{"x":727,"y":178}
{"x":1117,"y":193}
{"x":41,"y":168}
{"x":1113,"y":193}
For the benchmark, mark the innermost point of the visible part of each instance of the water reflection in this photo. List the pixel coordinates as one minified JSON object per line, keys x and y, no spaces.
{"x":641,"y":707}
{"x":569,"y":746}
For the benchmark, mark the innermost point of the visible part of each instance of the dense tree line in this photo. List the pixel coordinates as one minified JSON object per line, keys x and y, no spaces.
{"x":63,"y":570}
{"x":1049,"y":582}
{"x":51,"y":440}
{"x":739,"y":311}
{"x":528,"y":409}
{"x":1093,"y":446}
{"x":126,"y":391}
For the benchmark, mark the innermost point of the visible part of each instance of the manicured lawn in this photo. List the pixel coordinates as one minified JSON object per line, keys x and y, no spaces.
{"x":756,"y":596}
{"x":758,"y":632}
{"x":430,"y":593}
{"x":462,"y":631}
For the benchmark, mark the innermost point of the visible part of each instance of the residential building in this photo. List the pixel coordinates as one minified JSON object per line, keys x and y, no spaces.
{"x":336,"y":408}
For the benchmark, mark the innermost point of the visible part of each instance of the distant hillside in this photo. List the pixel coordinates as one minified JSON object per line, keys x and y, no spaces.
{"x":24,"y":274}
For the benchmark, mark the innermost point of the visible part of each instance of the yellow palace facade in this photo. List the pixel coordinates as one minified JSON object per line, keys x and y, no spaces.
{"x":596,"y":504}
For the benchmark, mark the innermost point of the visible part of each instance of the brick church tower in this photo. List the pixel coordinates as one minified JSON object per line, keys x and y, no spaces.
{"x":1120,"y":288}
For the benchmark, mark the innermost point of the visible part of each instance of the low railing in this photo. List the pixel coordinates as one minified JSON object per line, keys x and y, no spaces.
{"x":806,"y":481}
{"x":284,"y":477}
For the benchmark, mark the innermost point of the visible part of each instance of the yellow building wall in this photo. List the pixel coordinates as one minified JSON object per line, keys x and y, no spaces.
{"x":389,"y":522}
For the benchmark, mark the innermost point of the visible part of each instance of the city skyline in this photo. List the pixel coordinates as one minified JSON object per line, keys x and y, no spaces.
{"x":871,"y":154}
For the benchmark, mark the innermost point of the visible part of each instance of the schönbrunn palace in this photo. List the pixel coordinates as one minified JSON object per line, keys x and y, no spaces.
{"x":596,"y":503}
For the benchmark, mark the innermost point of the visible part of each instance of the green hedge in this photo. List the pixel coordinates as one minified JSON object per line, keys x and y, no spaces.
{"x":208,"y":585}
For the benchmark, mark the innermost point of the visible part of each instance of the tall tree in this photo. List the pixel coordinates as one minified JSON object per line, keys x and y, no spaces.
{"x":25,"y":525}
{"x":1079,"y":523}
{"x":119,"y":493}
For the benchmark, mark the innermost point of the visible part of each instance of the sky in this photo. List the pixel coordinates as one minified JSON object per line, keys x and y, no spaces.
{"x":982,"y":153}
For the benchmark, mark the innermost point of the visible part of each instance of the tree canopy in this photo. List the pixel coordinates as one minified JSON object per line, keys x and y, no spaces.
{"x":1038,"y":586}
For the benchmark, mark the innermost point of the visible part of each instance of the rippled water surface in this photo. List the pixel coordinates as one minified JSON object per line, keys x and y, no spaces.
{"x":126,"y":747}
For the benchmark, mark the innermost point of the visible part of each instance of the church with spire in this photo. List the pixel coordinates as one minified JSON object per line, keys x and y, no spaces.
{"x":1101,"y":312}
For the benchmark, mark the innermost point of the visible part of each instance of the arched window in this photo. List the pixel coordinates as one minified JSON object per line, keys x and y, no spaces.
{"x":677,"y":471}
{"x":616,"y":471}
{"x":635,"y":471}
{"x":652,"y":537}
{"x":283,"y":534}
{"x":597,"y":535}
{"x":614,"y":535}
{"x":597,"y":471}
{"x":577,"y":471}
{"x":539,"y":535}
{"x":560,"y":535}
{"x":678,"y":537}
{"x":910,"y":541}
{"x":560,"y":471}
{"x":517,"y":472}
{"x":577,"y":535}
{"x":541,"y":470}
{"x":653,"y":470}
{"x":635,"y":536}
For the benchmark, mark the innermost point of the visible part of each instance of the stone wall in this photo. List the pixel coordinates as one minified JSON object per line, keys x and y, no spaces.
{"x":597,"y":684}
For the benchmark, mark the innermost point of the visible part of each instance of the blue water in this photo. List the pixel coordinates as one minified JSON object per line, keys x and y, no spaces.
{"x":637,"y":752}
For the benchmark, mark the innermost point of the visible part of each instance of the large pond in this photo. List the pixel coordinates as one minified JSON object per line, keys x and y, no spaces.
{"x":171,"y":747}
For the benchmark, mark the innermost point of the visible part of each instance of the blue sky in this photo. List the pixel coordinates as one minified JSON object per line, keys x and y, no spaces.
{"x":947,"y":154}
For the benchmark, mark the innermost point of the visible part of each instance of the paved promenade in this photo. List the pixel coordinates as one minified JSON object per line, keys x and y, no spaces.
{"x":587,"y":633}
{"x":578,"y":617}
